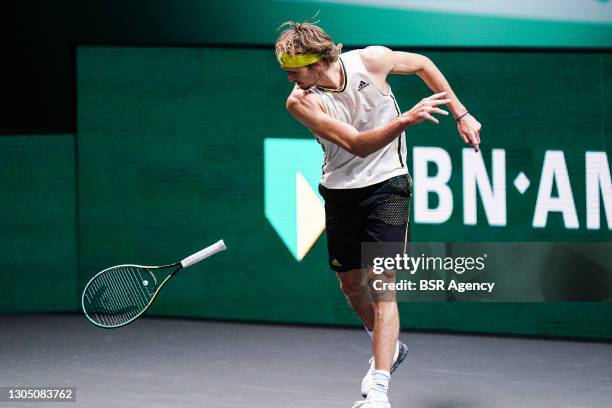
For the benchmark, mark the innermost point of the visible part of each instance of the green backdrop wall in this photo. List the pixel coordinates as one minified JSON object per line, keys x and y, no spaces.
{"x":171,"y":157}
{"x":38,"y":221}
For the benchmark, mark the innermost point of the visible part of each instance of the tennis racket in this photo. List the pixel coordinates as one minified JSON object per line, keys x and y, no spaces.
{"x":119,"y":295}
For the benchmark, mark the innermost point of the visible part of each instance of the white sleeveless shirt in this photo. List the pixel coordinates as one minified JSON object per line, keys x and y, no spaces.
{"x":363,"y":105}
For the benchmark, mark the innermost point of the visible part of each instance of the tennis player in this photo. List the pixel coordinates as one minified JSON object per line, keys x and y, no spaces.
{"x":345,"y":100}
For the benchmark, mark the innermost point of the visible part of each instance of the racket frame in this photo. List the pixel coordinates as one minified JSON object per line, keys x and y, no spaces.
{"x":185,"y":263}
{"x":176,"y":264}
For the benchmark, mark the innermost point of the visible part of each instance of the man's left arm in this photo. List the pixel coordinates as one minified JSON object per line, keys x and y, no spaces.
{"x":386,"y":61}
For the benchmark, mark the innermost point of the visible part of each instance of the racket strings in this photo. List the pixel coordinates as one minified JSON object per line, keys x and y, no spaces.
{"x":118,"y":295}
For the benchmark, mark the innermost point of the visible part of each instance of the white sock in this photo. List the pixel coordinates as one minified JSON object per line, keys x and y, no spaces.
{"x":380,"y":386}
{"x":396,"y":354}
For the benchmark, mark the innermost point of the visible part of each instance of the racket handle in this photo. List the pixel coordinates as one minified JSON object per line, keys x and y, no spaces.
{"x":203,"y":254}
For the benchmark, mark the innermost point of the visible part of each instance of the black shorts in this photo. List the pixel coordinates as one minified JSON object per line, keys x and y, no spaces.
{"x":376,"y":213}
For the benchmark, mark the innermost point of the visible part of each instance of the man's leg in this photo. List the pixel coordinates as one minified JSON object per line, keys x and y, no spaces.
{"x":380,"y":317}
{"x":354,"y":288}
{"x":386,"y":333}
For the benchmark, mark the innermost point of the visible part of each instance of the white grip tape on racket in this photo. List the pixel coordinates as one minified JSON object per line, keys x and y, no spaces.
{"x":203,"y":254}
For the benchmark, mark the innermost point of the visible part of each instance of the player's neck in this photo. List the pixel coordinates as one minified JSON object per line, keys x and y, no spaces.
{"x":332,"y":77}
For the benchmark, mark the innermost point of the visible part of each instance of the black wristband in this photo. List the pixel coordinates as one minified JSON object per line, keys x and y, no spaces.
{"x":459,"y":118}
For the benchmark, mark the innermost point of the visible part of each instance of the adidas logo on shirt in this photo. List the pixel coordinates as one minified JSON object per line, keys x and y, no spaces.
{"x":362,"y":84}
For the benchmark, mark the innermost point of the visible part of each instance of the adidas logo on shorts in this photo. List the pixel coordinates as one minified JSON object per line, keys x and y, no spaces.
{"x":362,"y":84}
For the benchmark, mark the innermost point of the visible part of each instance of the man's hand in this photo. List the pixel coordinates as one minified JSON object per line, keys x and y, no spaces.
{"x":424,"y":109}
{"x":469,"y":130}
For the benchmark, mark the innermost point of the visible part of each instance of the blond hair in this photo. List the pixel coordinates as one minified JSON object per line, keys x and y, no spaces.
{"x":306,"y":38}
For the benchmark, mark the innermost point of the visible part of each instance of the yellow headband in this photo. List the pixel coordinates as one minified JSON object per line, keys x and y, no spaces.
{"x":297,"y":61}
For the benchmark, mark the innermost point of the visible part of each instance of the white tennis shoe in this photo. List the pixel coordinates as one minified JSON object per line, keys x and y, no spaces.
{"x":369,"y":376}
{"x":371,"y":404}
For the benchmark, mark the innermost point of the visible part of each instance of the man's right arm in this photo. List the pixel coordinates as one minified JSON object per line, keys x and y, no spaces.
{"x":305,"y":109}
